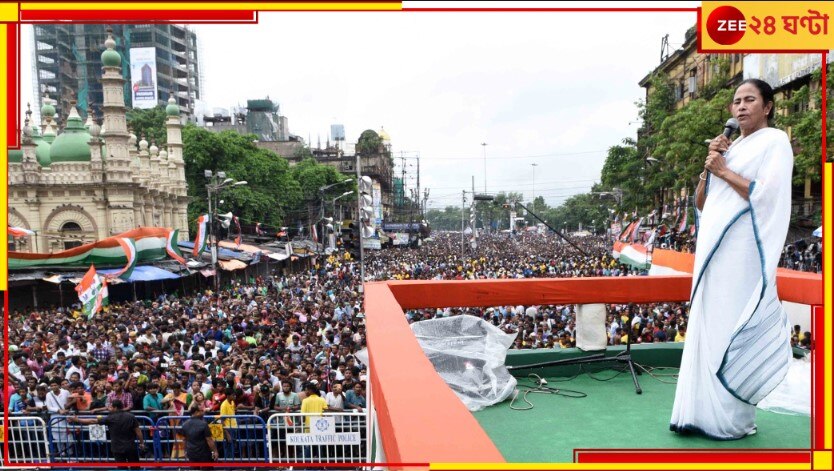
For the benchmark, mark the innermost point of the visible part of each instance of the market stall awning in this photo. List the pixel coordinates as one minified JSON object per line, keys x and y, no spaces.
{"x":222,"y":253}
{"x":145,"y":273}
{"x":243,"y":247}
{"x":232,"y":265}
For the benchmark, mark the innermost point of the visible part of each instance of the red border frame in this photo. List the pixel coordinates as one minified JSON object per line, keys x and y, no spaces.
{"x":213,"y":17}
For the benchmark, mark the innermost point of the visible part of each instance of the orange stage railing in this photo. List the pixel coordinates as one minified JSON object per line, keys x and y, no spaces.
{"x":420,"y":418}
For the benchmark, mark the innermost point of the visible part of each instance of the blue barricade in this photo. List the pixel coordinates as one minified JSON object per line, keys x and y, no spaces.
{"x":76,"y":443}
{"x":239,"y":438}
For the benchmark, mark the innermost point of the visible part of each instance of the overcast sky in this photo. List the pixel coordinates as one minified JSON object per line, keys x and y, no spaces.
{"x":552,"y":88}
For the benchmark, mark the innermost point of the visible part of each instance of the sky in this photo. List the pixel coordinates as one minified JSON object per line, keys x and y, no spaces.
{"x":554,"y":89}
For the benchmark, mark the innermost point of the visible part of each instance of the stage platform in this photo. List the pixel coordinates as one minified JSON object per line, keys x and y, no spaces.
{"x":612,"y":415}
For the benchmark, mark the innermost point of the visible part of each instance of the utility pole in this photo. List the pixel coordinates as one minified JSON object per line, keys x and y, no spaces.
{"x":474,"y":220}
{"x":483,"y":144}
{"x":462,"y":222}
{"x":420,"y":207}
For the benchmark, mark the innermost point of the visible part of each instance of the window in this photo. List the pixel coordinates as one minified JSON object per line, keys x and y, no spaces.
{"x":71,"y":233}
{"x":693,"y":84}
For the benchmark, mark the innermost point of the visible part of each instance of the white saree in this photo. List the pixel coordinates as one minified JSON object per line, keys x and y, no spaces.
{"x":737,"y":345}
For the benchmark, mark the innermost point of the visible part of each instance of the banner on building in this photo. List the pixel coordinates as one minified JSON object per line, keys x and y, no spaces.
{"x":143,"y":77}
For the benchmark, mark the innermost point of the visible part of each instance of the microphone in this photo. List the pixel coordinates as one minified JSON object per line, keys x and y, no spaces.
{"x":730,"y":127}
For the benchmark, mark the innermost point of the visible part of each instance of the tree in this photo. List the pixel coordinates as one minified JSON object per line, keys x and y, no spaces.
{"x":447,"y":219}
{"x":149,"y":123}
{"x":804,"y":121}
{"x":271,"y":191}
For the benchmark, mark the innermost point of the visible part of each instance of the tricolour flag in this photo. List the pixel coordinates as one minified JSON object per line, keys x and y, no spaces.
{"x":92,"y":292}
{"x":636,"y":231}
{"x":172,"y":248}
{"x":129,"y":246}
{"x":200,"y":241}
{"x":682,"y":224}
{"x":17,"y":232}
{"x":239,"y":237}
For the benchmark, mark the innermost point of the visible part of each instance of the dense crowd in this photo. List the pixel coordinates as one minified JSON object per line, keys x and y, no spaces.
{"x":253,"y":347}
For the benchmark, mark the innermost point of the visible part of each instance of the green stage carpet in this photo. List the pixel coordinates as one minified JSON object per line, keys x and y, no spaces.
{"x":613,"y":416}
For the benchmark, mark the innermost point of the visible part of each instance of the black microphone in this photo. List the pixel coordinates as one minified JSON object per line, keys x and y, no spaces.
{"x":730,"y":127}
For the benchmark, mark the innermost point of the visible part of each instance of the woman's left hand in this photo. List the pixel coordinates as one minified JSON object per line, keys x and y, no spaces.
{"x":716,"y":164}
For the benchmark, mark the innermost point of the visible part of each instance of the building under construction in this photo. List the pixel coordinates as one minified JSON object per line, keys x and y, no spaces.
{"x":67,"y":63}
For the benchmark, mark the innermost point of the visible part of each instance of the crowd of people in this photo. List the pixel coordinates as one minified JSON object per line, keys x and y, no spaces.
{"x":258,"y":347}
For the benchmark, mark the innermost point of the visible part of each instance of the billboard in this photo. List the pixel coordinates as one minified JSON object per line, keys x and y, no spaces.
{"x":779,"y":69}
{"x":143,"y":77}
{"x":377,"y":193}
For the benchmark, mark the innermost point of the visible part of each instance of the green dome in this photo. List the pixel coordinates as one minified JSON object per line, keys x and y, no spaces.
{"x":172,"y":109}
{"x":42,"y":150}
{"x":111,"y":58}
{"x":73,"y":145}
{"x":15,"y":156}
{"x":47,"y":110}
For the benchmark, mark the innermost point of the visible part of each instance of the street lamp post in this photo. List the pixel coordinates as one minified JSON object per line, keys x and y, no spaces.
{"x":217,"y":181}
{"x":333,"y":203}
{"x":484,"y":144}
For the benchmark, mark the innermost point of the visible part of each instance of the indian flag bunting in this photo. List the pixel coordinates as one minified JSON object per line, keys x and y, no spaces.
{"x":200,"y":241}
{"x":129,"y":246}
{"x":92,"y":292}
{"x":172,"y":248}
{"x":149,"y":243}
{"x":18,"y":232}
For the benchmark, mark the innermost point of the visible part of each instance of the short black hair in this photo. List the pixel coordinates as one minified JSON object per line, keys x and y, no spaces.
{"x":766,"y":91}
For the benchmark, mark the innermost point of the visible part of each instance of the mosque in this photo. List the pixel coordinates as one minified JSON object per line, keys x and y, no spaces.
{"x":89,"y":182}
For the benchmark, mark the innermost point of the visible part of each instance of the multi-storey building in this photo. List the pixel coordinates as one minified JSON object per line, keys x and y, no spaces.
{"x":66,"y":66}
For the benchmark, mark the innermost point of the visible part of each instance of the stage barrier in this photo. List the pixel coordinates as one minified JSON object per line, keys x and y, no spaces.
{"x":283,"y":438}
{"x":429,"y":424}
{"x":291,"y":438}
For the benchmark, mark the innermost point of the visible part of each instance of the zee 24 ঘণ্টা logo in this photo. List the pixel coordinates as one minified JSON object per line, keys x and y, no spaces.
{"x":727,"y":25}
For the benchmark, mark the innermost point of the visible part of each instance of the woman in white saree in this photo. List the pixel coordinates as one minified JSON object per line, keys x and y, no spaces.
{"x":738,"y":339}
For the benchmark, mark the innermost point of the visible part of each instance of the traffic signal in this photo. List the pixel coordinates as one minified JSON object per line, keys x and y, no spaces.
{"x":366,"y":208}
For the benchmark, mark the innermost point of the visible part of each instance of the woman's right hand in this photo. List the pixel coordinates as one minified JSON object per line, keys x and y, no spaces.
{"x":720,"y":144}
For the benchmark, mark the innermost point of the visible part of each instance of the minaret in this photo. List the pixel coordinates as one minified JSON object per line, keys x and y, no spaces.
{"x":96,"y":161}
{"x":155,"y":183}
{"x":144,"y":163}
{"x":29,"y":160}
{"x":115,"y":125}
{"x":173,"y":126}
{"x":48,"y":128}
{"x":164,"y":178}
{"x":134,"y":158}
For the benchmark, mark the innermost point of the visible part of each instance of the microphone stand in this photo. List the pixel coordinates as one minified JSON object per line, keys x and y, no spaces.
{"x":622,"y":357}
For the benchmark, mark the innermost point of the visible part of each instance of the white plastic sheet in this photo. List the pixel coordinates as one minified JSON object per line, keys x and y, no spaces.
{"x":793,"y":395}
{"x":468,"y":353}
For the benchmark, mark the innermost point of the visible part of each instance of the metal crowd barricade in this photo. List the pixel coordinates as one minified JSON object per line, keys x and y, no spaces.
{"x":243,"y":438}
{"x":299,"y":438}
{"x":27,"y":440}
{"x":76,"y":443}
